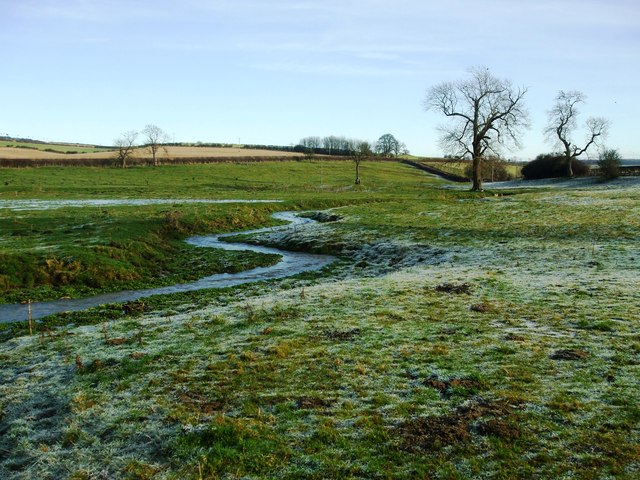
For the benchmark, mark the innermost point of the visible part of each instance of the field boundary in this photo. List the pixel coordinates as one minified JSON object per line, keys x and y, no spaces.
{"x":447,"y":176}
{"x":625,"y":171}
{"x":134,"y":162}
{"x":144,"y":161}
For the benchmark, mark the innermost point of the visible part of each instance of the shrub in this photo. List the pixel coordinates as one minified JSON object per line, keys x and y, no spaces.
{"x":492,"y":170}
{"x":551,"y":165}
{"x":609,"y":164}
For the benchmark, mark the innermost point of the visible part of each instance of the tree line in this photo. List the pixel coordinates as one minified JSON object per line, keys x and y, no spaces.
{"x":155,"y":139}
{"x":386,"y":146}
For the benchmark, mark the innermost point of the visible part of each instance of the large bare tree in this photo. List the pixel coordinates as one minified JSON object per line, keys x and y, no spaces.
{"x":562,"y":124}
{"x":154,"y":139}
{"x":486,"y":114}
{"x":387,"y":145}
{"x":125,"y":144}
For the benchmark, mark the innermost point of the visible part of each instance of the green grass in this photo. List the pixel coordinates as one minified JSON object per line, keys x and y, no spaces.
{"x":459,"y":167}
{"x":463,"y":336}
{"x":82,"y":251}
{"x":294,"y":181}
{"x":77,"y":251}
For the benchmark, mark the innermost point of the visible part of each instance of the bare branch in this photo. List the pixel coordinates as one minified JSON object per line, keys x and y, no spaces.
{"x":125,"y":145}
{"x":154,"y":137}
{"x":486,"y":114}
{"x":562,"y":124}
{"x":598,"y":128}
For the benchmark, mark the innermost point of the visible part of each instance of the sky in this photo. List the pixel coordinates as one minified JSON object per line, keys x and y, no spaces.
{"x":275,"y":71}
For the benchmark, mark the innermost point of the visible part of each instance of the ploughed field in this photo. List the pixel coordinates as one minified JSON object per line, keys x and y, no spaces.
{"x":490,"y":335}
{"x":18,"y":151}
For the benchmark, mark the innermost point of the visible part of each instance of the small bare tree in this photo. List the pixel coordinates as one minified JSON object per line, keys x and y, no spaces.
{"x":562,"y":124}
{"x":126,"y":144}
{"x":362,"y":151}
{"x":486,"y":114}
{"x":154,"y":139}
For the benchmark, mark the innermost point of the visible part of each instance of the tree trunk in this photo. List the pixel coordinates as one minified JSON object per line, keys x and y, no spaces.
{"x":477,"y":174}
{"x":570,"y":167}
{"x":357,"y":172}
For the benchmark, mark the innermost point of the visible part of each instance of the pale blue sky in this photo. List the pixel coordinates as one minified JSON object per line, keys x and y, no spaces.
{"x":276,"y":71}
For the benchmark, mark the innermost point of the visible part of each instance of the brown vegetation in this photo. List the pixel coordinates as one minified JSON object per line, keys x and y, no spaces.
{"x":496,"y":418}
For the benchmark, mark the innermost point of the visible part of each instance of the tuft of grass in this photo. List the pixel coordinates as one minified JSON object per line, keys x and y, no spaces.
{"x":231,"y":445}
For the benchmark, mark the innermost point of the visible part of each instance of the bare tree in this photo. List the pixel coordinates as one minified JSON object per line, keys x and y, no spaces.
{"x":331,"y":143}
{"x":154,"y":138}
{"x":401,"y":149}
{"x":311,"y":142}
{"x":486,"y":114}
{"x":362,"y":151}
{"x":126,"y":144}
{"x":562,"y":124}
{"x":387,"y":145}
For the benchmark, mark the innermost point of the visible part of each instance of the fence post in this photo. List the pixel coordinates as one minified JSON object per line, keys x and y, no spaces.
{"x":30,"y":318}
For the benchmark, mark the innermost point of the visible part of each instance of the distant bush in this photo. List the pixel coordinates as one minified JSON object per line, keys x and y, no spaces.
{"x":492,"y":170}
{"x":609,"y":164}
{"x":550,"y":165}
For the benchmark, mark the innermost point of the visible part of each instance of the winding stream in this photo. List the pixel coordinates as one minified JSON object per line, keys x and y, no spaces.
{"x":291,"y":263}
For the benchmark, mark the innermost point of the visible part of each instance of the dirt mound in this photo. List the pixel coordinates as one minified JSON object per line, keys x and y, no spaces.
{"x":341,"y":335}
{"x":569,"y":354}
{"x":457,"y":288}
{"x":495,"y":418}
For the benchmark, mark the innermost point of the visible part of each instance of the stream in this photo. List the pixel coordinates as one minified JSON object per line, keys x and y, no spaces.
{"x":290,"y":264}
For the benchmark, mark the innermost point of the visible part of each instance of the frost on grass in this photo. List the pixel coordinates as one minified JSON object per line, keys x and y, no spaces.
{"x":368,"y":254}
{"x":389,"y":372}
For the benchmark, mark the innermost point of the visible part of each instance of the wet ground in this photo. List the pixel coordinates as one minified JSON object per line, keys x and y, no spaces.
{"x":18,"y":205}
{"x":291,"y":263}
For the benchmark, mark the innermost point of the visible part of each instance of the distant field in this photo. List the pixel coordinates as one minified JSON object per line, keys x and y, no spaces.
{"x":56,"y":148}
{"x":38,"y":152}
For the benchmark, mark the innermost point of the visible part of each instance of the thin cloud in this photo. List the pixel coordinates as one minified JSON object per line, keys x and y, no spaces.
{"x":332,"y":69}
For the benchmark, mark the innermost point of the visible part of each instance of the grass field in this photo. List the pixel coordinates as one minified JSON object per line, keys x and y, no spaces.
{"x":74,"y":251}
{"x":462,"y":335}
{"x":458,"y":167}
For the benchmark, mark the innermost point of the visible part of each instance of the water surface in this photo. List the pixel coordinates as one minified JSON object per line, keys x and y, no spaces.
{"x":20,"y":205}
{"x":291,"y":263}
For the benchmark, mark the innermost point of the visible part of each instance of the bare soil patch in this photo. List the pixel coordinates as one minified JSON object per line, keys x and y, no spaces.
{"x":457,"y":288}
{"x":495,"y":418}
{"x":569,"y":354}
{"x":341,"y":335}
{"x":445,"y":386}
